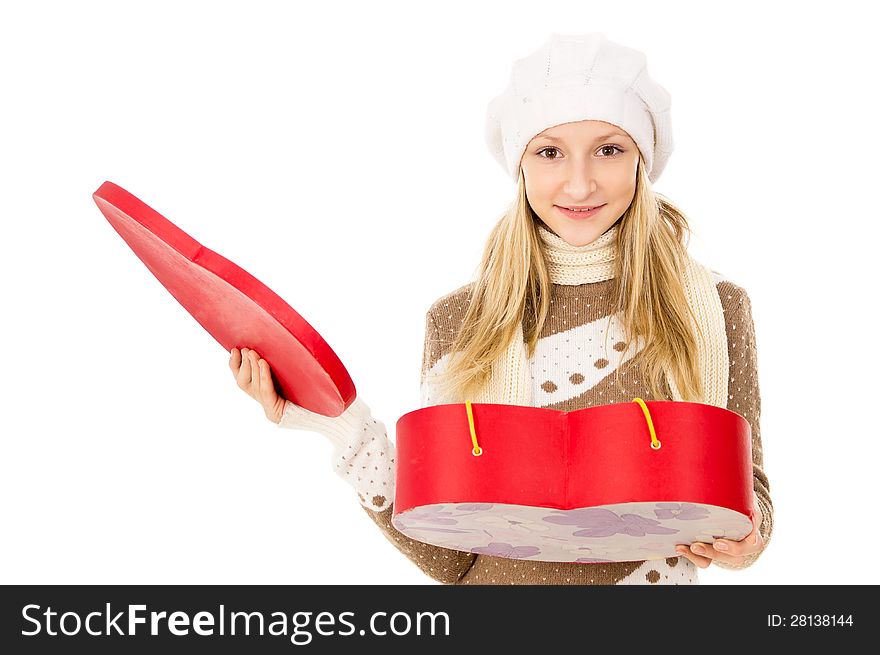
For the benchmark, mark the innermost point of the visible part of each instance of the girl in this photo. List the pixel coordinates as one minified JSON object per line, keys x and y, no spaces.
{"x":586,"y":257}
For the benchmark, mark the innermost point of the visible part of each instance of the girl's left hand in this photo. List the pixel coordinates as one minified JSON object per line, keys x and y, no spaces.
{"x":726,"y":550}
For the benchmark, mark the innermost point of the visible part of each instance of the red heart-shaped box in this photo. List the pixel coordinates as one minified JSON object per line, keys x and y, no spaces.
{"x":232,"y":305}
{"x":577,"y":486}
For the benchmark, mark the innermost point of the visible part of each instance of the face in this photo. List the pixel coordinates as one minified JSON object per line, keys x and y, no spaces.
{"x":580,"y":164}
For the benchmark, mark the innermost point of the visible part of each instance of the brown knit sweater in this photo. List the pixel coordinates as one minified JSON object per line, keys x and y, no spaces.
{"x":570,"y":371}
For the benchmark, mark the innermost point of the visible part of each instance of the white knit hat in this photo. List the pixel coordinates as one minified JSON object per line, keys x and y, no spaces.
{"x":580,"y":77}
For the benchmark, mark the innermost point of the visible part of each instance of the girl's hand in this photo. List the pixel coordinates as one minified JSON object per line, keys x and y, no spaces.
{"x":703,"y":554}
{"x":254,"y":376}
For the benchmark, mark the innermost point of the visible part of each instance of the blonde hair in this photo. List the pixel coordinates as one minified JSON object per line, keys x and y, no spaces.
{"x":513,"y":285}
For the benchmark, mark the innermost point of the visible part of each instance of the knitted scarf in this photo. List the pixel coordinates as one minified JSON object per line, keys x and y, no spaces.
{"x":510,"y":381}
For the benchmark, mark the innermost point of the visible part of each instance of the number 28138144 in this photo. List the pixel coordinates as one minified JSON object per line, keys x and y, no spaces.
{"x":809,"y":620}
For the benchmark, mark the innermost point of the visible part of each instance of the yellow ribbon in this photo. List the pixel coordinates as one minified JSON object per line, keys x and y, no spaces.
{"x":477,"y":451}
{"x":655,"y":443}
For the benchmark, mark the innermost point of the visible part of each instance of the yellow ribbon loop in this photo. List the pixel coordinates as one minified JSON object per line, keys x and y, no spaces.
{"x":477,"y":451}
{"x":655,"y":443}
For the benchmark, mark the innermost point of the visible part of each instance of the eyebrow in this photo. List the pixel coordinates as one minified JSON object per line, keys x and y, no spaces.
{"x":598,"y":138}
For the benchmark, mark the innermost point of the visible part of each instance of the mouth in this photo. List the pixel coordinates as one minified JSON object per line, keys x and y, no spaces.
{"x":577,"y":212}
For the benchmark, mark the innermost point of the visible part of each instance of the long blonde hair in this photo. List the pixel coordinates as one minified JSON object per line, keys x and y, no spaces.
{"x":513,"y":286}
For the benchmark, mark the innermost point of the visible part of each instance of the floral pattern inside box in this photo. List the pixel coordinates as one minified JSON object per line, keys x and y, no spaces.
{"x":611,"y":533}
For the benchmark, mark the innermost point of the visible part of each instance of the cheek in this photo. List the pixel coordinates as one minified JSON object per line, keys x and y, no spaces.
{"x":537,"y":191}
{"x":623,"y":191}
{"x":543,"y":190}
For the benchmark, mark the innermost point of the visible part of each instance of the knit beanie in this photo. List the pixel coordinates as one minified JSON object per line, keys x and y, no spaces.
{"x":580,"y":77}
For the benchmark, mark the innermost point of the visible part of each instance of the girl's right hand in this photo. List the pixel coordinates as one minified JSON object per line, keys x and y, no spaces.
{"x":254,"y":376}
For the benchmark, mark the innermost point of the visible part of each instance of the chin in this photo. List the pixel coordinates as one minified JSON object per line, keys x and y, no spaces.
{"x":580,"y":237}
{"x":575,"y":237}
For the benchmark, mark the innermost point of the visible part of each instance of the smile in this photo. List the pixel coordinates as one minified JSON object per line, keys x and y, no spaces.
{"x":579,"y":213}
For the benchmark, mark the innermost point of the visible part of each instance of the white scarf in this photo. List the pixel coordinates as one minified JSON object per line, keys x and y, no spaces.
{"x":510,"y":382}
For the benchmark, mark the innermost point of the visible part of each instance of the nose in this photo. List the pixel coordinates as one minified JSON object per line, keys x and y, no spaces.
{"x":580,"y":180}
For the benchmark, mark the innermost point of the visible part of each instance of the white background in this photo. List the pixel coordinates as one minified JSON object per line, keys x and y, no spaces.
{"x":335,"y":151}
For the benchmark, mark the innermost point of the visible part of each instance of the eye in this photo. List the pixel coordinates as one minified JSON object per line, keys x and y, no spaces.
{"x":602,"y":149}
{"x":546,"y":149}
